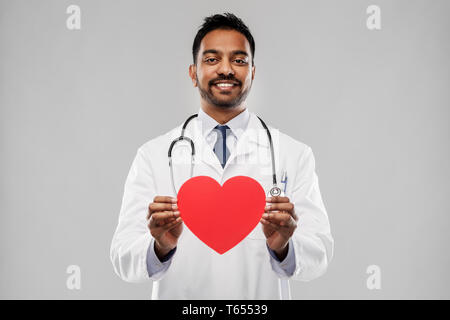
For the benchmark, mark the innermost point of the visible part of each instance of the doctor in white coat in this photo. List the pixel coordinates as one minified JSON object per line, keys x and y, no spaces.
{"x":293,"y":239}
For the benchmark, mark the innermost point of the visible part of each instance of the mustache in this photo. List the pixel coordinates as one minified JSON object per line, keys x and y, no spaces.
{"x":225,"y":78}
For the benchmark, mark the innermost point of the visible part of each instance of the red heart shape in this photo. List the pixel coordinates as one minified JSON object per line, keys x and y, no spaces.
{"x":221,"y":216}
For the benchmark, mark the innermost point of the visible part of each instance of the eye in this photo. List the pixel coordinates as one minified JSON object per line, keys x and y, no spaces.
{"x":210,"y":60}
{"x":240,"y":61}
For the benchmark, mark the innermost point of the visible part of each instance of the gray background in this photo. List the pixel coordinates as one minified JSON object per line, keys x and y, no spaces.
{"x":373,"y":105}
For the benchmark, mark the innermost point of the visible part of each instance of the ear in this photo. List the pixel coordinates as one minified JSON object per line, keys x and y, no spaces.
{"x":253,"y":72}
{"x":193,"y":74}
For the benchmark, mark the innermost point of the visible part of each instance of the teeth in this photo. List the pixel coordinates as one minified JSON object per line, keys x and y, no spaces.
{"x":225,"y":84}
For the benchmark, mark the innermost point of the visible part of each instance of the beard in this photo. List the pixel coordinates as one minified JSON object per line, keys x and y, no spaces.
{"x":208,"y":95}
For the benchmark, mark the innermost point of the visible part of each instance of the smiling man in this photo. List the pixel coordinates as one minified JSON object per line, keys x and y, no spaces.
{"x":223,"y":71}
{"x":293,"y":239}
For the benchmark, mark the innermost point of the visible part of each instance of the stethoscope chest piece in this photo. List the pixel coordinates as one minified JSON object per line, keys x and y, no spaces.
{"x":275,"y":191}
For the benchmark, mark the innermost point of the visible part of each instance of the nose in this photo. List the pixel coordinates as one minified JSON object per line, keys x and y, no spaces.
{"x":225,"y":68}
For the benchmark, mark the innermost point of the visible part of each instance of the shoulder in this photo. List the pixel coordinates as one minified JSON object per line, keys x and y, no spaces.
{"x":290,"y":142}
{"x":160,"y":144}
{"x":297,"y":154}
{"x":287,"y":143}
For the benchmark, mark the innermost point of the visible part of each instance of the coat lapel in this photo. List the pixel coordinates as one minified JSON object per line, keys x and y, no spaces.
{"x":249,"y":144}
{"x":253,"y":142}
{"x":203,"y":153}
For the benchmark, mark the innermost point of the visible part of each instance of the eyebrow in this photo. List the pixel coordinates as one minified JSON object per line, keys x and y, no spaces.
{"x":235,"y":52}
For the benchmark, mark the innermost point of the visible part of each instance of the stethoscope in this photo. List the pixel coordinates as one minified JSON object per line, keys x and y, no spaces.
{"x":274,"y":191}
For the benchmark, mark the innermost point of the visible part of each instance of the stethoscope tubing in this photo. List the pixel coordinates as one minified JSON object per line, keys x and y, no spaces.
{"x":274,"y":191}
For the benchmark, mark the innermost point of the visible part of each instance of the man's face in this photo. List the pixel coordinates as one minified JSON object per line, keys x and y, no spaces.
{"x":224,"y":70}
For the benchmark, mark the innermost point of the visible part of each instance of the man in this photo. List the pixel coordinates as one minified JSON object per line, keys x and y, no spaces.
{"x":293,"y":240}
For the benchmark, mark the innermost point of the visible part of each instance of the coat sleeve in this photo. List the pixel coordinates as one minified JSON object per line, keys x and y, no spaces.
{"x":132,"y":238}
{"x":313,"y":243}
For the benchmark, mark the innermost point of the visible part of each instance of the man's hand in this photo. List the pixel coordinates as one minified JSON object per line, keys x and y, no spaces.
{"x":165,"y":224}
{"x":279,"y":223}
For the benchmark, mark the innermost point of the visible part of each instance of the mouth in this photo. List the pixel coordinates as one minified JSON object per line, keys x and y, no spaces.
{"x":225,"y":86}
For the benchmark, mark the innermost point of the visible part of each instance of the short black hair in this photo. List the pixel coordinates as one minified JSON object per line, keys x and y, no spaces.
{"x":227,"y":21}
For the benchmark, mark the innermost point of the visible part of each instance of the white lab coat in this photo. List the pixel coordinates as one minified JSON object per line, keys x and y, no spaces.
{"x":247,"y":271}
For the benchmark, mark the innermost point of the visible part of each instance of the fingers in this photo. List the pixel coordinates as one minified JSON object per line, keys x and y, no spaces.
{"x":172,"y":224}
{"x":158,"y":207}
{"x":277,"y":199}
{"x":284,"y":206}
{"x":273,"y":225}
{"x":164,"y":199}
{"x":161,"y":218}
{"x":280,"y":204}
{"x":280,"y":219}
{"x":157,"y":230}
{"x":162,"y":203}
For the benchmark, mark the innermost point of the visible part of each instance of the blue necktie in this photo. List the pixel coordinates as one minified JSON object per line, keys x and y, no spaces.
{"x":220,"y":148}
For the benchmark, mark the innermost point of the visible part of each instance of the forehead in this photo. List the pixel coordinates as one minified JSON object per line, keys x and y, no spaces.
{"x":225,"y":41}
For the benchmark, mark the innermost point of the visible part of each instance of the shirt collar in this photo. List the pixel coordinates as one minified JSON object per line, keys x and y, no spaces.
{"x":237,"y":125}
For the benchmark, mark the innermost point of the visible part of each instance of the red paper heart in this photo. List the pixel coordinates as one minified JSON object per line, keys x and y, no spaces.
{"x":221,"y":216}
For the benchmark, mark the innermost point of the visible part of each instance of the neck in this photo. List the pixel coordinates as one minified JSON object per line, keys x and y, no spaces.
{"x":222,"y":115}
